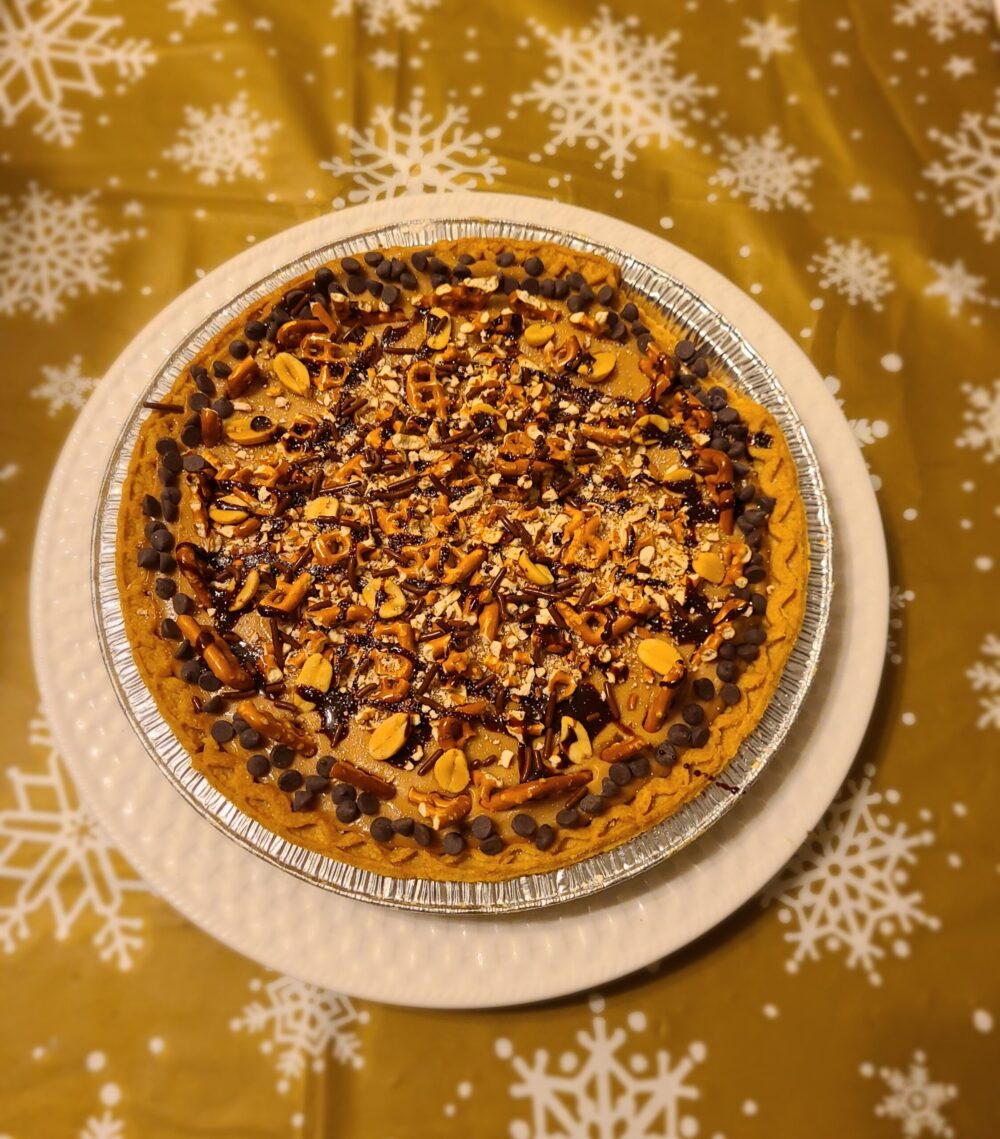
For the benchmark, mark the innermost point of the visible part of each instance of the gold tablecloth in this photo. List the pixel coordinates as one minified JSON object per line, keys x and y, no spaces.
{"x":840,"y":160}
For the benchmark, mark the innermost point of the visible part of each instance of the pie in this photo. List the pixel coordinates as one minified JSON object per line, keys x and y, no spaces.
{"x":458,"y":562}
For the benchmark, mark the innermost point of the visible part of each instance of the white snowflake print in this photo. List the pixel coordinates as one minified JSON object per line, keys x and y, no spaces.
{"x":898,"y":601}
{"x":647,"y":102}
{"x":956,"y":284}
{"x":854,"y":271}
{"x":303,"y":1024}
{"x":767,"y":37}
{"x":385,"y":15}
{"x":50,"y":249}
{"x":913,"y":1099}
{"x":845,"y":888}
{"x":410,"y":153}
{"x":192,"y":10}
{"x":982,"y":418}
{"x":600,"y":1092}
{"x":64,"y":387}
{"x":972,"y":168}
{"x":106,"y":1126}
{"x":984,"y":676}
{"x":223,"y":143}
{"x":51,"y":50}
{"x":945,"y":18}
{"x":866,"y":431}
{"x":771,"y":173}
{"x":55,"y":859}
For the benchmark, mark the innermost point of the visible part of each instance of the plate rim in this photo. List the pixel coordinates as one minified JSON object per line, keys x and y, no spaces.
{"x":658,"y":922}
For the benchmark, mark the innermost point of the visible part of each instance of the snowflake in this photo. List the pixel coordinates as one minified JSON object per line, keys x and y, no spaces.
{"x":854,"y":271}
{"x":224,"y":143}
{"x":51,"y":248}
{"x":972,"y":167}
{"x":772,"y":174}
{"x":913,"y":1100}
{"x":303,"y":1022}
{"x":598,"y":1093}
{"x":898,"y":601}
{"x":418,"y":155}
{"x":983,"y":419}
{"x":613,"y":90}
{"x":956,"y":284}
{"x":191,"y":10}
{"x":767,"y":37}
{"x":844,"y":888}
{"x":105,"y":1126}
{"x":380,"y":15}
{"x":866,"y":431}
{"x":985,"y":679}
{"x":945,"y":17}
{"x":54,"y":857}
{"x":51,"y":49}
{"x":64,"y":387}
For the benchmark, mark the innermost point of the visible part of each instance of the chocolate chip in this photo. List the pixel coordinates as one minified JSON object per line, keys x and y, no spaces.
{"x":438,"y":279}
{"x":685,"y":350}
{"x":290,"y":780}
{"x":755,"y":574}
{"x":324,"y":277}
{"x":534,"y":267}
{"x":729,"y":694}
{"x":384,"y":271}
{"x":700,"y":368}
{"x":639,"y":766}
{"x":250,"y":738}
{"x":665,"y":754}
{"x":373,"y":258}
{"x":461,"y":272}
{"x":508,"y":284}
{"x":436,"y":265}
{"x":758,"y":604}
{"x":545,"y":836}
{"x":523,"y":825}
{"x":568,"y":817}
{"x":169,"y":630}
{"x":190,"y":671}
{"x":591,"y":804}
{"x":605,"y":295}
{"x":575,"y":281}
{"x":703,"y":688}
{"x":165,"y":588}
{"x":368,"y":803}
{"x":390,"y":294}
{"x":197,"y":402}
{"x":208,"y":681}
{"x":302,"y":800}
{"x":481,"y":827}
{"x":586,"y":294}
{"x":165,"y":444}
{"x":220,"y":369}
{"x":504,"y":259}
{"x":748,"y":652}
{"x":576,"y":303}
{"x":643,"y":342}
{"x":727,"y":651}
{"x":381,"y":830}
{"x":212,"y":704}
{"x":491,"y":845}
{"x":403,"y":826}
{"x":282,"y":755}
{"x":422,"y":834}
{"x":194,"y":463}
{"x":323,"y":765}
{"x":619,"y":773}
{"x":560,"y":290}
{"x":182,"y":604}
{"x":699,"y":736}
{"x":344,"y":792}
{"x":223,"y":408}
{"x":222,"y":731}
{"x":239,"y":349}
{"x":317,"y":784}
{"x":629,"y":312}
{"x":258,"y":766}
{"x":693,"y":714}
{"x":727,"y":670}
{"x":147,"y":558}
{"x":375,"y":288}
{"x":452,"y":842}
{"x":347,"y":811}
{"x":547,"y":288}
{"x":183,"y":651}
{"x":755,"y":635}
{"x":350,"y":265}
{"x":151,"y":506}
{"x":190,"y":437}
{"x":609,"y":789}
{"x":255,"y":330}
{"x":170,"y":513}
{"x":407,"y":280}
{"x":531,"y":286}
{"x":419,"y":260}
{"x":357,"y":285}
{"x":679,"y":735}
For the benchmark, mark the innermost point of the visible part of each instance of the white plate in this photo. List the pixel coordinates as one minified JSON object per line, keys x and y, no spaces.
{"x":422,"y":959}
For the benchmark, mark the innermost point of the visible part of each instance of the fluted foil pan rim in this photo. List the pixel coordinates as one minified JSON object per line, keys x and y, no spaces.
{"x":731,"y":354}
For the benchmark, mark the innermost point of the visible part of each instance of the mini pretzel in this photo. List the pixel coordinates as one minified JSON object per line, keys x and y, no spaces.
{"x":362,"y":780}
{"x":216,"y":654}
{"x":718,"y":471}
{"x":439,"y":808}
{"x":495,"y":797}
{"x":423,"y":391}
{"x":274,"y":728}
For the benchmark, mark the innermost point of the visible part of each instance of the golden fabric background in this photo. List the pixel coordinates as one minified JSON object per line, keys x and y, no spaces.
{"x":840,"y":160}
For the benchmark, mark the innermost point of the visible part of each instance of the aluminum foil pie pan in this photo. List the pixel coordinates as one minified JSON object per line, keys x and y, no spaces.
{"x":729,"y":354}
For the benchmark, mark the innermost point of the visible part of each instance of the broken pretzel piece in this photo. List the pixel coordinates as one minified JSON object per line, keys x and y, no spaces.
{"x":493,"y":796}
